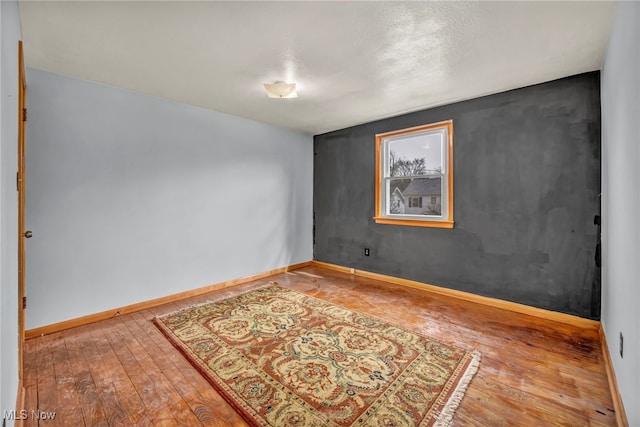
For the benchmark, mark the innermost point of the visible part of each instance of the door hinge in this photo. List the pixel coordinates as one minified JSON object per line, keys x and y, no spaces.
{"x":17,"y":181}
{"x":24,"y":302}
{"x":24,"y":114}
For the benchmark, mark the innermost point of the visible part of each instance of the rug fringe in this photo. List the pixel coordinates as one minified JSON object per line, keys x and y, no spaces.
{"x":446,"y":416}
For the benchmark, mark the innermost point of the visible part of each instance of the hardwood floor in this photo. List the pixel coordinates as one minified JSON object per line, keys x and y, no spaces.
{"x":123,"y":371}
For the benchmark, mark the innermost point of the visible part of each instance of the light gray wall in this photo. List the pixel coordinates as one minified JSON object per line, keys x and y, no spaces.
{"x":9,"y":36}
{"x":621,"y":202}
{"x":132,"y":197}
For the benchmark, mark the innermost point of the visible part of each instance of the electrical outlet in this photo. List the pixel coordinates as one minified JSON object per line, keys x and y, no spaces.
{"x":366,"y":251}
{"x":621,"y":345}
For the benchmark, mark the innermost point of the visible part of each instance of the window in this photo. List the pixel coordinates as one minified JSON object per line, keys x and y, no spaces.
{"x":415,"y":165}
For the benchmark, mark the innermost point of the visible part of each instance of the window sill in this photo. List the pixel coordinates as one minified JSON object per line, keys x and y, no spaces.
{"x":414,"y":223}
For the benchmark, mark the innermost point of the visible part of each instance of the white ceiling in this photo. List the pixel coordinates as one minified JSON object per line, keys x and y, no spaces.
{"x":353,"y":62}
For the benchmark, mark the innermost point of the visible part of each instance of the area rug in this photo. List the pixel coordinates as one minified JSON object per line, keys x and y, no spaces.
{"x":282,"y":358}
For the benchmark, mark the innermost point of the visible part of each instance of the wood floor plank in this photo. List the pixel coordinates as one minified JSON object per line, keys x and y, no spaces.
{"x":68,"y":408}
{"x":47,"y":387}
{"x":103,"y":371}
{"x":116,"y":383}
{"x":142,"y":384}
{"x":123,"y":371}
{"x":30,"y":375}
{"x":157,"y":391}
{"x":89,"y":395}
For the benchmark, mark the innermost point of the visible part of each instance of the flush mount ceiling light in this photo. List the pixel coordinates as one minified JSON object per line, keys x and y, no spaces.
{"x":281,"y":90}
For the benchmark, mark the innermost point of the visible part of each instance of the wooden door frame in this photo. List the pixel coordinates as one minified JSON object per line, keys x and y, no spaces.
{"x":22,"y":113}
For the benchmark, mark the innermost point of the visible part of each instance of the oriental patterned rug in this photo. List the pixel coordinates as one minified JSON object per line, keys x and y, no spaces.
{"x":282,"y":358}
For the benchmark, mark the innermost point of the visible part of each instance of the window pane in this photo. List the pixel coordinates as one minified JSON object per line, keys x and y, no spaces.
{"x":424,"y":196}
{"x":418,"y":154}
{"x":397,"y":201}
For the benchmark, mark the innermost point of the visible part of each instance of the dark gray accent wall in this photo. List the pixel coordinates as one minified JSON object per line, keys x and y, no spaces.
{"x":526,"y":189}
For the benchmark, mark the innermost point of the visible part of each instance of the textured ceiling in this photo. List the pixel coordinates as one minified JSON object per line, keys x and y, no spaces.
{"x":354,"y":62}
